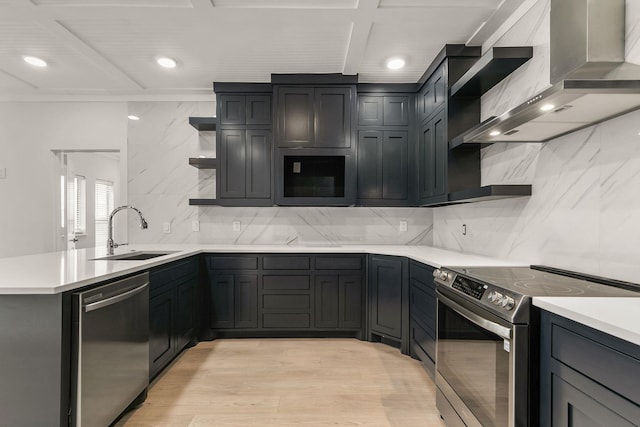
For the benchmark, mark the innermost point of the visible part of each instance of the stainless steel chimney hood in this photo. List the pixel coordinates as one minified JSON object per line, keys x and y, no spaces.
{"x":591,"y":81}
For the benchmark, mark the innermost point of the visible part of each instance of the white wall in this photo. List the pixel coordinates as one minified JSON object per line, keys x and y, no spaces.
{"x":161,"y":182}
{"x":584,"y":208}
{"x":28,"y":133}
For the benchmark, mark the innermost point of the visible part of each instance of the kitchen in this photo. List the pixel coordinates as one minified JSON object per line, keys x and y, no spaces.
{"x":579,"y":216}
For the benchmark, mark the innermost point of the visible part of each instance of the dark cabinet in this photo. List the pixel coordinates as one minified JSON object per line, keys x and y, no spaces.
{"x":587,"y":378}
{"x":422,"y":309}
{"x":432,"y":95}
{"x":383,"y":110}
{"x":171,"y":312}
{"x":388,"y":294}
{"x":244,"y":109}
{"x":234,"y":301}
{"x":245,"y":164}
{"x":338,"y":301}
{"x":432,"y":155}
{"x":383,"y":165}
{"x":317,"y":117}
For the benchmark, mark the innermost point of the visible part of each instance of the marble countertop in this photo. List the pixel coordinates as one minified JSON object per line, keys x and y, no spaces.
{"x":619,"y":317}
{"x":55,"y":272}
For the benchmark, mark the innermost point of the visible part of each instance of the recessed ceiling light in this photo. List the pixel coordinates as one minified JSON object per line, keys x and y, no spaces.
{"x":166,"y":62}
{"x":494,"y":133}
{"x":395,"y":63}
{"x":547,"y":107}
{"x":35,"y":61}
{"x":132,"y":117}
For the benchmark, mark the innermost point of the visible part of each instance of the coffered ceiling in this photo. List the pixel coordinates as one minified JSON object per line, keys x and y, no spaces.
{"x":108,"y":48}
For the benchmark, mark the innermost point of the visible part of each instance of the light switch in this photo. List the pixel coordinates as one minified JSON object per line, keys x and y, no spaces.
{"x":236,"y":225}
{"x":166,"y":227}
{"x":195,"y":225}
{"x":404,"y":226}
{"x":297,"y":167}
{"x":3,"y":173}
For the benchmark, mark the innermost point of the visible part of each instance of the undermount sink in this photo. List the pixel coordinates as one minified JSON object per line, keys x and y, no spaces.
{"x":134,"y":256}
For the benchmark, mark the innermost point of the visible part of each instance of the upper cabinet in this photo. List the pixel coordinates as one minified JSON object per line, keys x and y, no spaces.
{"x":245,"y":110}
{"x":314,"y":117}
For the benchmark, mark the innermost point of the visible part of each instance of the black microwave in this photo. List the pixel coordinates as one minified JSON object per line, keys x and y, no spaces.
{"x":315,"y":180}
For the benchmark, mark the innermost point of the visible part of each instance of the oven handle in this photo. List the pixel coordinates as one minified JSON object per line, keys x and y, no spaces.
{"x":501,"y":331}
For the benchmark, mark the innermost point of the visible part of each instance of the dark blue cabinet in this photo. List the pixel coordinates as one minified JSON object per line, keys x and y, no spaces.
{"x":388,"y":300}
{"x":172,"y":312}
{"x":422,"y":308}
{"x":587,"y":378}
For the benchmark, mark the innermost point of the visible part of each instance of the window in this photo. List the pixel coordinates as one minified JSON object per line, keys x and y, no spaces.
{"x":77,"y":192}
{"x":104,"y":206}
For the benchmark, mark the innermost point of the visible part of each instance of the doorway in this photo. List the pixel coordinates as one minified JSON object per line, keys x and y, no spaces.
{"x":88,"y":190}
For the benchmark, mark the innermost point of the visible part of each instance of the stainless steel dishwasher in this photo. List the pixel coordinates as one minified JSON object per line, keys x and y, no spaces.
{"x":110,"y":358}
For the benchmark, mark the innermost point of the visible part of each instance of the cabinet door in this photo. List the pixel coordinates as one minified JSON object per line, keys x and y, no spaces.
{"x":425,"y":101}
{"x":333,"y":118}
{"x":370,"y":110}
{"x":396,"y":110}
{"x":258,"y":166}
{"x":258,"y":110}
{"x":386,"y":295}
{"x":232,"y":109}
{"x":433,"y":157}
{"x":232,"y":146}
{"x":439,"y":90}
{"x":161,"y":319}
{"x":572,"y":407}
{"x":326,"y":301}
{"x":350,"y":302}
{"x":295,"y":117}
{"x":395,"y":165}
{"x":222,"y":306}
{"x":185,"y":319}
{"x":370,"y":165}
{"x":245,"y":301}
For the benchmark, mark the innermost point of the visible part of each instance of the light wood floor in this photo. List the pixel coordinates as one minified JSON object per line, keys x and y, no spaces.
{"x":290,"y":382}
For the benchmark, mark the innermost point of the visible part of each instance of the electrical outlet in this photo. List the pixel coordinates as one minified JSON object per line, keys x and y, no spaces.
{"x":404,"y":226}
{"x":464,"y":229}
{"x":236,"y":225}
{"x":166,"y":227}
{"x":195,"y":225}
{"x":3,"y":173}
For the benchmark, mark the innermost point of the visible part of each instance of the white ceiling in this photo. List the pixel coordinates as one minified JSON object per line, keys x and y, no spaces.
{"x":107,"y":48}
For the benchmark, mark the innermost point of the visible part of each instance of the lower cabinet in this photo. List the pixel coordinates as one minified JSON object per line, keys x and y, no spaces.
{"x":171,"y":311}
{"x":388,"y":299}
{"x":422,"y":307}
{"x":587,"y":378}
{"x":258,"y":295}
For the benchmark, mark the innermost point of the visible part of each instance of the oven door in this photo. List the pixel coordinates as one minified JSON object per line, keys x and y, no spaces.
{"x":476,"y":363}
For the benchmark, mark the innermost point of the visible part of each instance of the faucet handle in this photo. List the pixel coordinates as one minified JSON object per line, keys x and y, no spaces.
{"x":116,"y":245}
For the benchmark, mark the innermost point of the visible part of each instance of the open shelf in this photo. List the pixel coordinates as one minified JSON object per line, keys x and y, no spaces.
{"x":203,"y":123}
{"x":204,"y":202}
{"x":486,"y":193}
{"x":491,"y":69}
{"x":203,"y":162}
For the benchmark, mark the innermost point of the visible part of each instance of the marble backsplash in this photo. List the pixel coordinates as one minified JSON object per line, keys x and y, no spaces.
{"x":160,"y":183}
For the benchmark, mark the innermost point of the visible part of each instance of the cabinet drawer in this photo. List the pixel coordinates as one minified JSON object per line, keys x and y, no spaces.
{"x":284,"y":321}
{"x":338,"y":263}
{"x":611,"y":368}
{"x":422,"y":277}
{"x":286,"y":263}
{"x":286,"y":283}
{"x":233,"y":263}
{"x":286,"y":302}
{"x":423,"y":340}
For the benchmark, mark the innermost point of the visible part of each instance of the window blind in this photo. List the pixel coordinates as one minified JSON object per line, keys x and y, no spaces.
{"x":104,"y":206}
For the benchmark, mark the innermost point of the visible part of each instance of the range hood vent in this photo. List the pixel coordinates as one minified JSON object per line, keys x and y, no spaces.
{"x":591,"y":81}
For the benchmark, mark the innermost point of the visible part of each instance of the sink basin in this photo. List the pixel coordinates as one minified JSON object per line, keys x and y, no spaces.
{"x":134,"y":256}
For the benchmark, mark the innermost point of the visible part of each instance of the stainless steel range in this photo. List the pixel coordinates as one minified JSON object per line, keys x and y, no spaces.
{"x":486,"y":365}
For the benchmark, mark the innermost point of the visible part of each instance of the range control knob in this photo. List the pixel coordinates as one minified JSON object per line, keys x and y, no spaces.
{"x":495,"y":297}
{"x":508,"y":303}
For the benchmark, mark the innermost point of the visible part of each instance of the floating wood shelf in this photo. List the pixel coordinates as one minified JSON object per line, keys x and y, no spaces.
{"x":490,"y":70}
{"x":203,"y":162}
{"x":203,"y":123}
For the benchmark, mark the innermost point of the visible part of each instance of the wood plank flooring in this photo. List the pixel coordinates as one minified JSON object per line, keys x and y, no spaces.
{"x":290,"y":382}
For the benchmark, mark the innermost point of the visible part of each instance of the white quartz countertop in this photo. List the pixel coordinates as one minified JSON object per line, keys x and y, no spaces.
{"x":619,"y":317}
{"x":55,"y":272}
